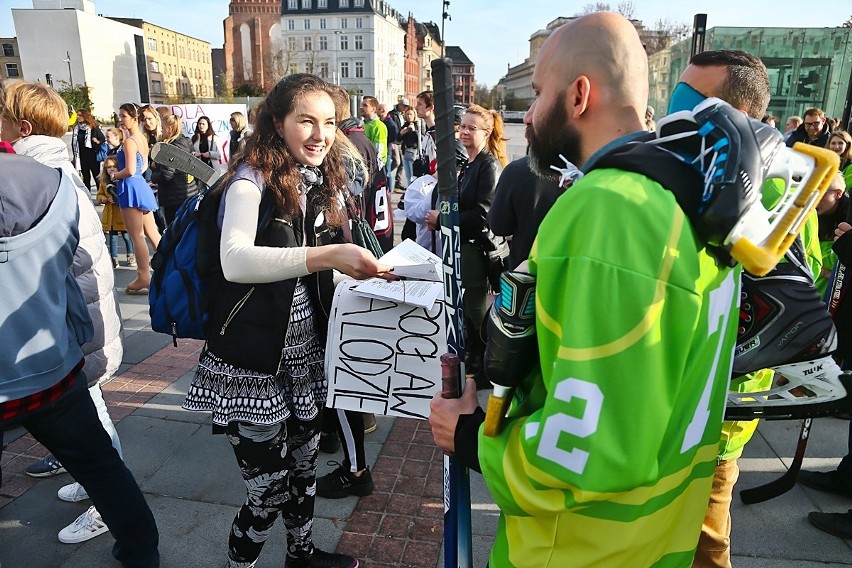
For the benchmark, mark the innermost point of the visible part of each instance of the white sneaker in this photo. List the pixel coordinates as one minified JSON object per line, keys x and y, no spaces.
{"x":73,"y":492}
{"x":88,"y":525}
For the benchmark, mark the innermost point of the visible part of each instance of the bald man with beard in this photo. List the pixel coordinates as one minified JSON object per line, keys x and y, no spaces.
{"x":606,"y":456}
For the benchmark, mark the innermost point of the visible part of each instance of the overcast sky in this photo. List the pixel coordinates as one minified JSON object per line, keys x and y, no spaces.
{"x":493,"y":33}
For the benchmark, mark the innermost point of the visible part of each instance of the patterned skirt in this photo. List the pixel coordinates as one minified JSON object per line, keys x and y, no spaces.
{"x":298,"y":389}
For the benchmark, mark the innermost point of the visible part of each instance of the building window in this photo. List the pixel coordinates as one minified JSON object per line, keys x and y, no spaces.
{"x":323,"y":43}
{"x":152,"y":44}
{"x":309,"y":67}
{"x":359,"y":23}
{"x":344,"y":23}
{"x":359,"y":42}
{"x":291,"y":25}
{"x":12,"y":70}
{"x":344,"y":70}
{"x":323,"y":70}
{"x":306,"y":5}
{"x":322,"y":4}
{"x":155,"y":67}
{"x":344,"y":3}
{"x":309,"y":44}
{"x":307,"y":24}
{"x":293,"y":5}
{"x":8,"y":50}
{"x":294,"y":68}
{"x":359,"y":3}
{"x":344,"y":42}
{"x":157,"y":87}
{"x":322,"y":23}
{"x":359,"y":69}
{"x":291,"y":43}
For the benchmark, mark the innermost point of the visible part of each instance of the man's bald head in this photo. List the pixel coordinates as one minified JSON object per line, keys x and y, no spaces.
{"x":605,"y":47}
{"x":591,"y":78}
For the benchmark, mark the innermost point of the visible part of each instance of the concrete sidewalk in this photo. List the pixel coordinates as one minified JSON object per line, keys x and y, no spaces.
{"x":194,"y":488}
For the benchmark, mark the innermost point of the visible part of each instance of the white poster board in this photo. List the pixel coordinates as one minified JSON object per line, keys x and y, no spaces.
{"x":382,"y":356}
{"x":219,"y":115}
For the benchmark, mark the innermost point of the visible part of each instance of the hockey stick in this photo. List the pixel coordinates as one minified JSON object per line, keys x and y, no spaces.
{"x":787,"y":481}
{"x":458,"y":548}
{"x":177,"y":159}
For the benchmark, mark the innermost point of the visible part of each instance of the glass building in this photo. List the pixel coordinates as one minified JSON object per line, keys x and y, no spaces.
{"x":808,"y":67}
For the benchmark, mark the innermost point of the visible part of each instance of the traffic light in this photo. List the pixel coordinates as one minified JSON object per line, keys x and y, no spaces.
{"x":48,"y":78}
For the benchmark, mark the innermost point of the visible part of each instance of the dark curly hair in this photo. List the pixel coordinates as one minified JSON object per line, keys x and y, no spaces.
{"x":266,"y":152}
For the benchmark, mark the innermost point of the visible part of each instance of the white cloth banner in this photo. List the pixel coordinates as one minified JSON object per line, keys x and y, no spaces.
{"x":381,"y":356}
{"x":219,"y":115}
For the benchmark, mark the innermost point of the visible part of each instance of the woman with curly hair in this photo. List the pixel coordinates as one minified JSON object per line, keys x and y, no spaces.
{"x":261,"y":373}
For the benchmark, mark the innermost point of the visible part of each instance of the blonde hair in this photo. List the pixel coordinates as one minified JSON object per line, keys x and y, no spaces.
{"x":172,"y":127}
{"x":846,"y":154}
{"x":239,"y":121}
{"x":496,"y":143}
{"x":117,"y":132}
{"x":159,"y":131}
{"x":103,"y":177}
{"x":39,"y":105}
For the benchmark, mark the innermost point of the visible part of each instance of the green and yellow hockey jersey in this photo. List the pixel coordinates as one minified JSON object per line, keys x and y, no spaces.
{"x":609,"y":449}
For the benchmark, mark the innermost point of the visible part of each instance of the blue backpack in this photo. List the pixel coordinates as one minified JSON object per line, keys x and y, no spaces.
{"x":186,"y":260}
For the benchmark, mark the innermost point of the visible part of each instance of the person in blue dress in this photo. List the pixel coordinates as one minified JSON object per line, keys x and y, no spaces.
{"x":135,"y":197}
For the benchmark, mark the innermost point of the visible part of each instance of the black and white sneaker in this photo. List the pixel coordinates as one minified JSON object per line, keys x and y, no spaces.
{"x":45,"y":467}
{"x":342,"y":483}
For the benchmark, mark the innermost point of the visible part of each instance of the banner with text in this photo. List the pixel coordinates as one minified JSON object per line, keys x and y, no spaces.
{"x":382,"y":356}
{"x":219,"y":115}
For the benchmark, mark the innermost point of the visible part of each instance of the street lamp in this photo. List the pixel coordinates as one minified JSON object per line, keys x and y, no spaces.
{"x":445,"y":16}
{"x":335,"y":74}
{"x":68,"y":61}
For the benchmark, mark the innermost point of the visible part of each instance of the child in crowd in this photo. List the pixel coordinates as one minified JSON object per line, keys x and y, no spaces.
{"x":114,"y":138}
{"x":111,"y":220}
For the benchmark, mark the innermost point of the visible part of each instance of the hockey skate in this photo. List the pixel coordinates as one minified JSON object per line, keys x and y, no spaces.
{"x":785,"y":326}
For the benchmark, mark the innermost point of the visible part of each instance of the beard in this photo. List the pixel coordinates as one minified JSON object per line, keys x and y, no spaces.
{"x":555,"y":136}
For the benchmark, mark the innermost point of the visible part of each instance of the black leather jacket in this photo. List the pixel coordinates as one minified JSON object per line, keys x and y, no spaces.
{"x":476,"y":191}
{"x":248,"y":322}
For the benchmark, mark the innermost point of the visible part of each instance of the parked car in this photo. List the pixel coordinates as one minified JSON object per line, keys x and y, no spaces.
{"x":514,"y":115}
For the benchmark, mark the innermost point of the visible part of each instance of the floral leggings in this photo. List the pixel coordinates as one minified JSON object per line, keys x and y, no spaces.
{"x":279,"y":464}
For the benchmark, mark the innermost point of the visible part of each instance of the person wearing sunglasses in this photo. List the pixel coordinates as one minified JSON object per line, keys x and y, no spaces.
{"x":814,"y":129}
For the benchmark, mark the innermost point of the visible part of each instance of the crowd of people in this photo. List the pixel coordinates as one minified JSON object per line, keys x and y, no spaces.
{"x":591,"y":469}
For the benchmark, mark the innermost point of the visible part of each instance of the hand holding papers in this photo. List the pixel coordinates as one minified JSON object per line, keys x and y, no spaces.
{"x":421,"y":274}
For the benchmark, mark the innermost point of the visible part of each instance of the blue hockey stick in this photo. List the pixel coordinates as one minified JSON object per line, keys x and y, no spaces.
{"x":458,"y":551}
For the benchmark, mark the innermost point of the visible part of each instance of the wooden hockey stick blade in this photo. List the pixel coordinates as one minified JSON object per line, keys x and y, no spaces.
{"x":175,"y":158}
{"x":787,"y":481}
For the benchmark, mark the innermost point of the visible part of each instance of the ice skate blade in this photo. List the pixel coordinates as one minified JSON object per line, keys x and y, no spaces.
{"x":824,"y":397}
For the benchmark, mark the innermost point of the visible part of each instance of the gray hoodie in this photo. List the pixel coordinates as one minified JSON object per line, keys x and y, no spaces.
{"x":92,"y":265}
{"x":43,"y":317}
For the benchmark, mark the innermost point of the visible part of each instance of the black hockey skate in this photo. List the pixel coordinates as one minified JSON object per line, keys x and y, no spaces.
{"x":785,"y":326}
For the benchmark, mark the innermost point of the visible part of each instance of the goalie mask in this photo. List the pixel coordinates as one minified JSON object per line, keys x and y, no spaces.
{"x":735,"y":156}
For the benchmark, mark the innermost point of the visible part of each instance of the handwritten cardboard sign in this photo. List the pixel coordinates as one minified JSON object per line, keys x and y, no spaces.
{"x":383,"y":356}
